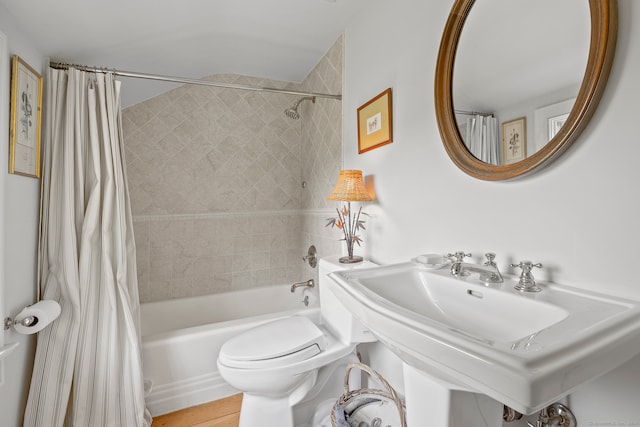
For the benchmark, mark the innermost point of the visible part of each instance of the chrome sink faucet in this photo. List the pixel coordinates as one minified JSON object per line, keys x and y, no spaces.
{"x":488,"y":271}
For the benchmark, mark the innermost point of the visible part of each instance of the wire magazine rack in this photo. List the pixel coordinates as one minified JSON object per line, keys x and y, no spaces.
{"x":367,"y":407}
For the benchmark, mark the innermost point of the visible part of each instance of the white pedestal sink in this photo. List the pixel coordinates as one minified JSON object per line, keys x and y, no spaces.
{"x":436,"y":404}
{"x":524,"y":350}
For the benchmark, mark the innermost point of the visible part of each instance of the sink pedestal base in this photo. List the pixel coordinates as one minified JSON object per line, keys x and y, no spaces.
{"x":435,"y":403}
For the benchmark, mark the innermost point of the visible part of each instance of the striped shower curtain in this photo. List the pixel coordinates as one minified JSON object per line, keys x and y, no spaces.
{"x":87,"y":370}
{"x":483,"y":139}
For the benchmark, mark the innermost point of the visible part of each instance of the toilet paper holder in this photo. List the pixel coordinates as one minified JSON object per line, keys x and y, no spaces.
{"x":27,"y":321}
{"x":36,"y":316}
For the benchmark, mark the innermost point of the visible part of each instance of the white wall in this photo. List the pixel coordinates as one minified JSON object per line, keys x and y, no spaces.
{"x":578,"y":217}
{"x":19,"y":204}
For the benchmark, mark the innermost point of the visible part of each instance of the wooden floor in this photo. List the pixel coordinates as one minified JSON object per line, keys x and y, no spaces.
{"x":221,"y":413}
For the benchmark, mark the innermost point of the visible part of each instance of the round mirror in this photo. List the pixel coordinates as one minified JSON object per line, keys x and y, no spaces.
{"x":517,"y":80}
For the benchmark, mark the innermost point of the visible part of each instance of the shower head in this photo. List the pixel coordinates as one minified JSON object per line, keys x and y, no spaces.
{"x":292,"y":112}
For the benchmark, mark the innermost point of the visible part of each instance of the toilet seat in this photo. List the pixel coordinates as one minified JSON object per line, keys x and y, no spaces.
{"x":279,"y":343}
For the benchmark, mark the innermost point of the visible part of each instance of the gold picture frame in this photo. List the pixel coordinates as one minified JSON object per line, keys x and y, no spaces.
{"x":514,"y":141}
{"x":26,"y":119}
{"x":375,"y":123}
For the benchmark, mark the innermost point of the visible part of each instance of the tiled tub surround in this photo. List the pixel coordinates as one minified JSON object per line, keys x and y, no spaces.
{"x":200,"y":149}
{"x":197,"y":149}
{"x":191,"y":255}
{"x":216,"y":175}
{"x":321,"y":153}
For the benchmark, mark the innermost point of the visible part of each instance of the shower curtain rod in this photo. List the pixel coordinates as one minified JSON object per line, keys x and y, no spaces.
{"x":473,"y":113}
{"x":65,"y":66}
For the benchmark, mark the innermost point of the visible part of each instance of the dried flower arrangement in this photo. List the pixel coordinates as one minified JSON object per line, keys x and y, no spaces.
{"x":350,"y":225}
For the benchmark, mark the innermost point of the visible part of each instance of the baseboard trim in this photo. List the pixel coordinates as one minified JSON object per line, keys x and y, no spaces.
{"x":186,"y":393}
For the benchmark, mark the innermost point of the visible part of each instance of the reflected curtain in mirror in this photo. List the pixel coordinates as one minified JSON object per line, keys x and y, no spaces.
{"x":482,"y":138}
{"x":602,"y":40}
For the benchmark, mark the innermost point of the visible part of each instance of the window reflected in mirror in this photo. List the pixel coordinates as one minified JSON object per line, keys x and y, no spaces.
{"x":518,"y":59}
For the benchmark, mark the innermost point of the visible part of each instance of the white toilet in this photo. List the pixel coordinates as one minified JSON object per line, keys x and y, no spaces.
{"x":281,"y":363}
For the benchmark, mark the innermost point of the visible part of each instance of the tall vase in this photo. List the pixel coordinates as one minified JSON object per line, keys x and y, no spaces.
{"x":349,"y":234}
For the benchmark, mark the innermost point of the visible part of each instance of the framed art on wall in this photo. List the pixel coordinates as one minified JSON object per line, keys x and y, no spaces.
{"x":514,"y":141}
{"x":375,"y":124}
{"x":25,"y":120}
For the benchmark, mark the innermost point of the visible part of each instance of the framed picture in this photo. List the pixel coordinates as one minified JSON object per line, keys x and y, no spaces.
{"x":375,"y":123}
{"x":26,"y":115}
{"x":514,"y":141}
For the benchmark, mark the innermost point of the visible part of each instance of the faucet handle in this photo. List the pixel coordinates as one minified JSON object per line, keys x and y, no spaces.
{"x":526,"y":266}
{"x":311,"y":257}
{"x":527,"y":283}
{"x":459,"y":256}
{"x":490,"y":258}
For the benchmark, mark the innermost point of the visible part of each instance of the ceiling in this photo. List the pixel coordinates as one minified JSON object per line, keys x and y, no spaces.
{"x":277,"y":39}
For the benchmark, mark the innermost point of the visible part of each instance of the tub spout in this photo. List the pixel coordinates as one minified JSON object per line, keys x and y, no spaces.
{"x":309,"y":283}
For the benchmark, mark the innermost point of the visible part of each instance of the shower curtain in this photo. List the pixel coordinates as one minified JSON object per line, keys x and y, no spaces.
{"x":483,"y":140}
{"x":88,"y":369}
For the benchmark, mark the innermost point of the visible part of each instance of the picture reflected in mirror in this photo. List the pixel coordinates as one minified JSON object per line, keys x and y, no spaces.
{"x":518,"y":59}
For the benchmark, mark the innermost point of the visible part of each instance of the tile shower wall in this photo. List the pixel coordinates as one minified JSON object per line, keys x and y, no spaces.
{"x":216,"y":176}
{"x":322,"y":154}
{"x":322,"y":131}
{"x":200,"y":149}
{"x":201,"y":254}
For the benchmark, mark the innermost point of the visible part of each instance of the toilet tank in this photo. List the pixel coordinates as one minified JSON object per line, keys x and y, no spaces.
{"x":334,"y":315}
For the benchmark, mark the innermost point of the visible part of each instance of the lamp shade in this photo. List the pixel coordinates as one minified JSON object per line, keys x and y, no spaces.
{"x":350,"y":187}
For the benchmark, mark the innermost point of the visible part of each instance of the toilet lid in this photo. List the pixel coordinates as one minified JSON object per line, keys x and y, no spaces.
{"x":283,"y":341}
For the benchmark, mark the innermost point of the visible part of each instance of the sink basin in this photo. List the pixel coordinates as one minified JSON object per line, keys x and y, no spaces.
{"x":484,"y":314}
{"x":526,"y":350}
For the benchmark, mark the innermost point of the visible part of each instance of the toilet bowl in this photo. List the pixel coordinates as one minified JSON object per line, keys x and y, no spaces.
{"x":276,"y":365}
{"x":287,"y":361}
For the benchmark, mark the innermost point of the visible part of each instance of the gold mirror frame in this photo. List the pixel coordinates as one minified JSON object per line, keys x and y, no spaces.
{"x":604,"y":29}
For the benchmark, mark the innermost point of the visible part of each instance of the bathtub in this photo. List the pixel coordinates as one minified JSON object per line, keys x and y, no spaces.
{"x":181,"y":339}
